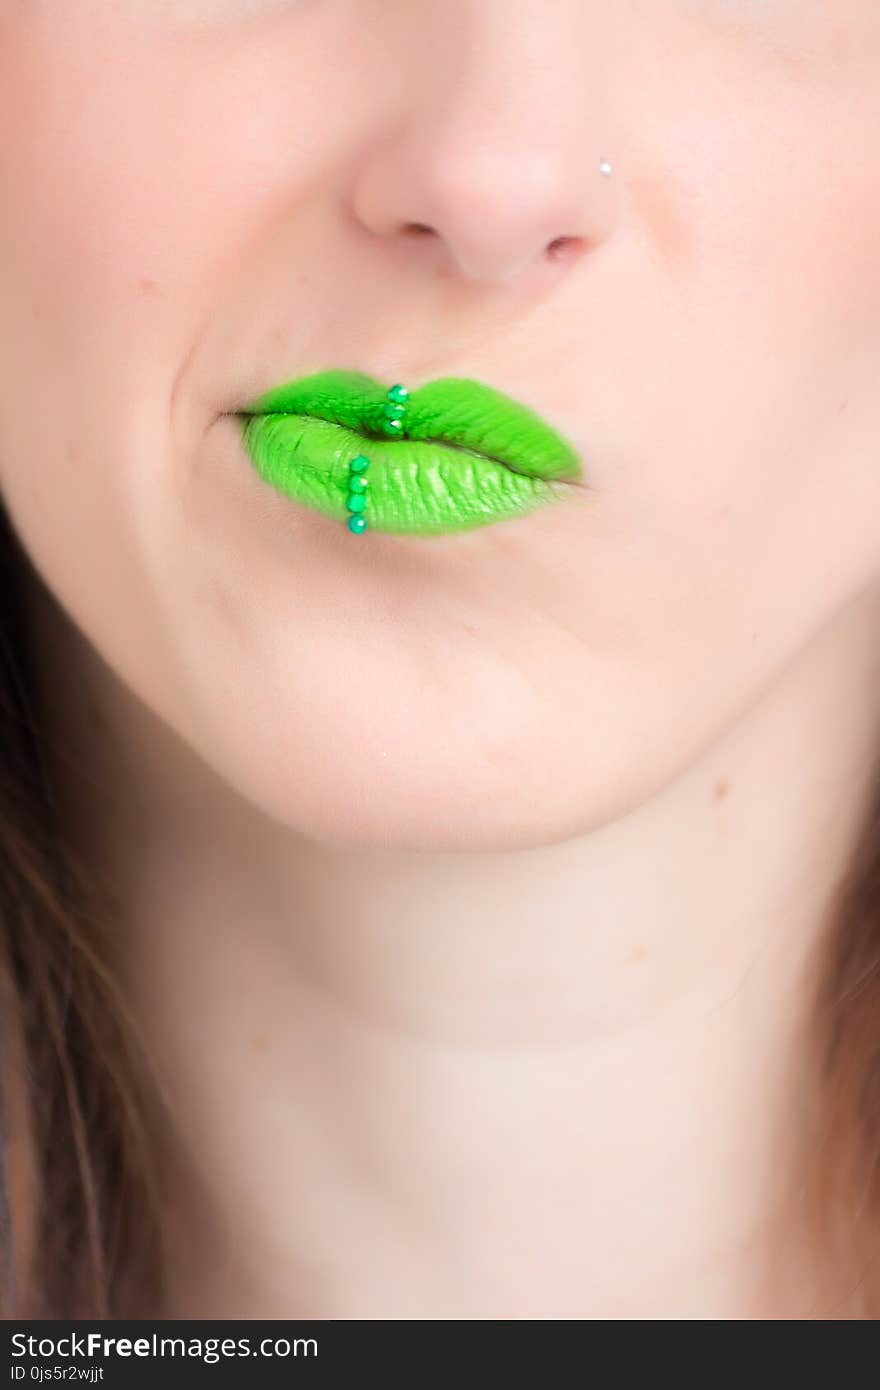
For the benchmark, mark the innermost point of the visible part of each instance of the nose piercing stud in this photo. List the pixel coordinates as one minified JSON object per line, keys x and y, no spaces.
{"x":605,"y":169}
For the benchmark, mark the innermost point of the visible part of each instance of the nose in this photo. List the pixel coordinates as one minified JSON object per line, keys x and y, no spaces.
{"x":493,"y":149}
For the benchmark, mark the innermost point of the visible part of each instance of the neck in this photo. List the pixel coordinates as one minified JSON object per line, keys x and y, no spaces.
{"x":558,"y":1082}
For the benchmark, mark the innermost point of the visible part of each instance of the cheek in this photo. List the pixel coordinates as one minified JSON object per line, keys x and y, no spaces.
{"x":144,"y":166}
{"x":123,"y":218}
{"x":147,"y":161}
{"x":743,"y":470}
{"x":113,"y":209}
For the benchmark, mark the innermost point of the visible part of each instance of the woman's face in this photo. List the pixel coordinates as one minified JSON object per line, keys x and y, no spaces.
{"x":205,"y":198}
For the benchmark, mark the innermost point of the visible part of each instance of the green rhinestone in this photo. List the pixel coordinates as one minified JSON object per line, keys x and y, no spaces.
{"x":358,"y":483}
{"x":356,"y":502}
{"x":359,"y":463}
{"x":357,"y":524}
{"x":393,"y":411}
{"x":393,"y":426}
{"x":398,"y":393}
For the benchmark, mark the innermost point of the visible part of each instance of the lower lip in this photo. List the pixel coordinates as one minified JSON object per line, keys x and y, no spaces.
{"x":414,"y":487}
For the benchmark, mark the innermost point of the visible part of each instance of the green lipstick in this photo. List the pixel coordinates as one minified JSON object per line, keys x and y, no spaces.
{"x":447,"y":456}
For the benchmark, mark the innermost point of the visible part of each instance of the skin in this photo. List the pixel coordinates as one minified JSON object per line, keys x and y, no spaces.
{"x":469,"y":892}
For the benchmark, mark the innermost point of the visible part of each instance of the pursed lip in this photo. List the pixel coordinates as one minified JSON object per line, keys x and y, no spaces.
{"x":456,"y":411}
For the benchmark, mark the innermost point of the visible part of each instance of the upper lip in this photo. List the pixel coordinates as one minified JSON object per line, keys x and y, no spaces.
{"x":449,"y":410}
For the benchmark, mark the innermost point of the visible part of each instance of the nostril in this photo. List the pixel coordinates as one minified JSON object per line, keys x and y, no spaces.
{"x":561,"y":246}
{"x":418,"y":229}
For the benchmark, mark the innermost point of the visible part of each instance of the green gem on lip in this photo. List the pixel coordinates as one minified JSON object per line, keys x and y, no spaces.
{"x":356,"y":500}
{"x":391,"y":423}
{"x":394,"y":410}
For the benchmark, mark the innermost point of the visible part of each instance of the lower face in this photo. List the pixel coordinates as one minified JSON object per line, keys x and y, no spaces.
{"x":183,"y":238}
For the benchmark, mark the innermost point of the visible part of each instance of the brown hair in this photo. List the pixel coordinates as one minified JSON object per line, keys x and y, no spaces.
{"x":79,"y":1224}
{"x":844,"y":1172}
{"x":79,"y":1193}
